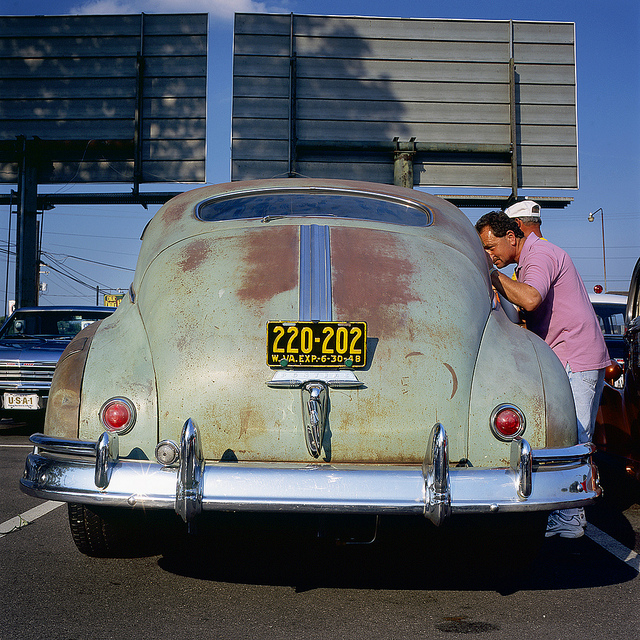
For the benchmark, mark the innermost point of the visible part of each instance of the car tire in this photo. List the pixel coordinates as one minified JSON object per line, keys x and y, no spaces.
{"x":109,"y":532}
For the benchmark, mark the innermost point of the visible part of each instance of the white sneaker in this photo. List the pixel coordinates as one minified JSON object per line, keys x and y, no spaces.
{"x":564,"y":525}
{"x":583,"y":517}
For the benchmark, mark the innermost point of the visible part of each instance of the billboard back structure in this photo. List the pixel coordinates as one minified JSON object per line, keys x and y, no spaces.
{"x":112,"y":98}
{"x":465,"y":103}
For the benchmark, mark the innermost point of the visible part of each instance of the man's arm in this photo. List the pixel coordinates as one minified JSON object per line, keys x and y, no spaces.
{"x":522,"y":295}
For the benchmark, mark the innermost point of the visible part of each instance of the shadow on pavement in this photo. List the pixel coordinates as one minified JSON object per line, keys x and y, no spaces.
{"x":9,"y":427}
{"x":621,"y":496}
{"x":408,"y":554}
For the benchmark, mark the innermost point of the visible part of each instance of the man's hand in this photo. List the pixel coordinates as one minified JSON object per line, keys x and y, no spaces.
{"x":518,"y":293}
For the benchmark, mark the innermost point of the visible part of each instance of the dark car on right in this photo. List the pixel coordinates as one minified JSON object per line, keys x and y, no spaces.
{"x":617,"y":433}
{"x":611,"y":310}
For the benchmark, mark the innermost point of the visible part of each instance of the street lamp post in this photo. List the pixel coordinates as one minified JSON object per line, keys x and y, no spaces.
{"x":591,"y":218}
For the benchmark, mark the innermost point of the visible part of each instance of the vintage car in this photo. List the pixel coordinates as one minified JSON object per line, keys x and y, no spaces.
{"x":308,"y":346}
{"x":610,"y":310}
{"x":31,"y":342}
{"x":617,"y":433}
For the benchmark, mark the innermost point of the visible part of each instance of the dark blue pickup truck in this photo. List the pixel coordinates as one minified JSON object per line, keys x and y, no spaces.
{"x":31,"y":343}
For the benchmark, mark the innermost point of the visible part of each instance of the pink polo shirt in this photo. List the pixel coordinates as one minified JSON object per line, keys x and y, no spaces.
{"x":565,"y":319}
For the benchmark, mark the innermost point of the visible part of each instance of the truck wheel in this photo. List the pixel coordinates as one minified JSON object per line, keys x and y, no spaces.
{"x":111,"y":532}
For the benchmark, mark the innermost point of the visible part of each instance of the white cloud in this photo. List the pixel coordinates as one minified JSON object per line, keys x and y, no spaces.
{"x":216,"y":8}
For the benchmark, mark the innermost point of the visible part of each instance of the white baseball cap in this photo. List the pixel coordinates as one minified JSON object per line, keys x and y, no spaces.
{"x":523,"y":209}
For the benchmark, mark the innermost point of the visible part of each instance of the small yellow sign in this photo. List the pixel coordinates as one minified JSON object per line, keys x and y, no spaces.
{"x":113,"y":299}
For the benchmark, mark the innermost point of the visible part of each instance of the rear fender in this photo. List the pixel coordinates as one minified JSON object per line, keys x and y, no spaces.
{"x":118,"y":367}
{"x":509,"y":371}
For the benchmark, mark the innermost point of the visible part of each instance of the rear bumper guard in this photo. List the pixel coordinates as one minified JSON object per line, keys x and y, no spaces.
{"x":93,"y":473}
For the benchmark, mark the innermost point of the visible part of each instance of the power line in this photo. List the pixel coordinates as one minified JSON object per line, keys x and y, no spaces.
{"x":87,"y":235}
{"x":102,"y":264}
{"x":94,"y":250}
{"x":71,"y":276}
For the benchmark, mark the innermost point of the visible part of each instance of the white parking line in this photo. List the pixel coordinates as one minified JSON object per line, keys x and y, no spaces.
{"x":27,"y":517}
{"x":628,"y":556}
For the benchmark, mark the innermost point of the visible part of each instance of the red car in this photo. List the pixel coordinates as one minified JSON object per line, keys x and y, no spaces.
{"x":617,"y":433}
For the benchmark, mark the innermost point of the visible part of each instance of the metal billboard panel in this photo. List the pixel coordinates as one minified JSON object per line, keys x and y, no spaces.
{"x":314,"y":95}
{"x":113,"y":98}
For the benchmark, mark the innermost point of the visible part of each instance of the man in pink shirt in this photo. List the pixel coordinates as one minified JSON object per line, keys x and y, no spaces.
{"x":555,"y":303}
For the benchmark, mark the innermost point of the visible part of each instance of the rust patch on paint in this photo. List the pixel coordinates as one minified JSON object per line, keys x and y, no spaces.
{"x":245,"y":421}
{"x":270,"y":263}
{"x":414,"y":353}
{"x":194,"y":254}
{"x":454,"y":379}
{"x":174,"y":209}
{"x":371,"y":278}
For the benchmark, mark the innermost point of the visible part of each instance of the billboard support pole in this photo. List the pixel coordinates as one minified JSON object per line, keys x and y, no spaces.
{"x":137,"y":125}
{"x":403,"y":164}
{"x":513,"y":132}
{"x":26,"y":239}
{"x":292,"y":100}
{"x":513,"y":129}
{"x":137,"y":122}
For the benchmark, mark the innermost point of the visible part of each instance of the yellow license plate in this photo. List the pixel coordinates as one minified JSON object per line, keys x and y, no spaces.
{"x":317,"y":345}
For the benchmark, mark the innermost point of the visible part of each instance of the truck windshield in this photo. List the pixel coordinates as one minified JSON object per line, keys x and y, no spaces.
{"x":48,"y":324}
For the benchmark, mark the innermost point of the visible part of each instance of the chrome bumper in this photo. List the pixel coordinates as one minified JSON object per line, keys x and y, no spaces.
{"x":93,"y":473}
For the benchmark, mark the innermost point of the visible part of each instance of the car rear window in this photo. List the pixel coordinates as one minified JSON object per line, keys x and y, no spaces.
{"x":273,"y":205}
{"x":611,"y":318}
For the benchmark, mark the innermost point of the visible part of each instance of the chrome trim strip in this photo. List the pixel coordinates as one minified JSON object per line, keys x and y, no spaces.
{"x":315,"y":273}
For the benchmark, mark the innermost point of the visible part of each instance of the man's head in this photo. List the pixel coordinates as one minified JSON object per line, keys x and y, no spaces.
{"x":527,"y":216}
{"x":501,"y":237}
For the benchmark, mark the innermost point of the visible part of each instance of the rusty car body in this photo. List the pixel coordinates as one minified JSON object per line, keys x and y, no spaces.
{"x":309,"y":346}
{"x":617,"y":432}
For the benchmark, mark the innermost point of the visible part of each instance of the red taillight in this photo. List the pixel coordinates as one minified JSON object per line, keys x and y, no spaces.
{"x":507,"y":422}
{"x":118,"y":415}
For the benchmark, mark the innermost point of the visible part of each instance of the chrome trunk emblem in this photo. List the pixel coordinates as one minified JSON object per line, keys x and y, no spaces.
{"x":315,"y":409}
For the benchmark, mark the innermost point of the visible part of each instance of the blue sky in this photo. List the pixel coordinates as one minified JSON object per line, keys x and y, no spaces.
{"x":81,"y":241}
